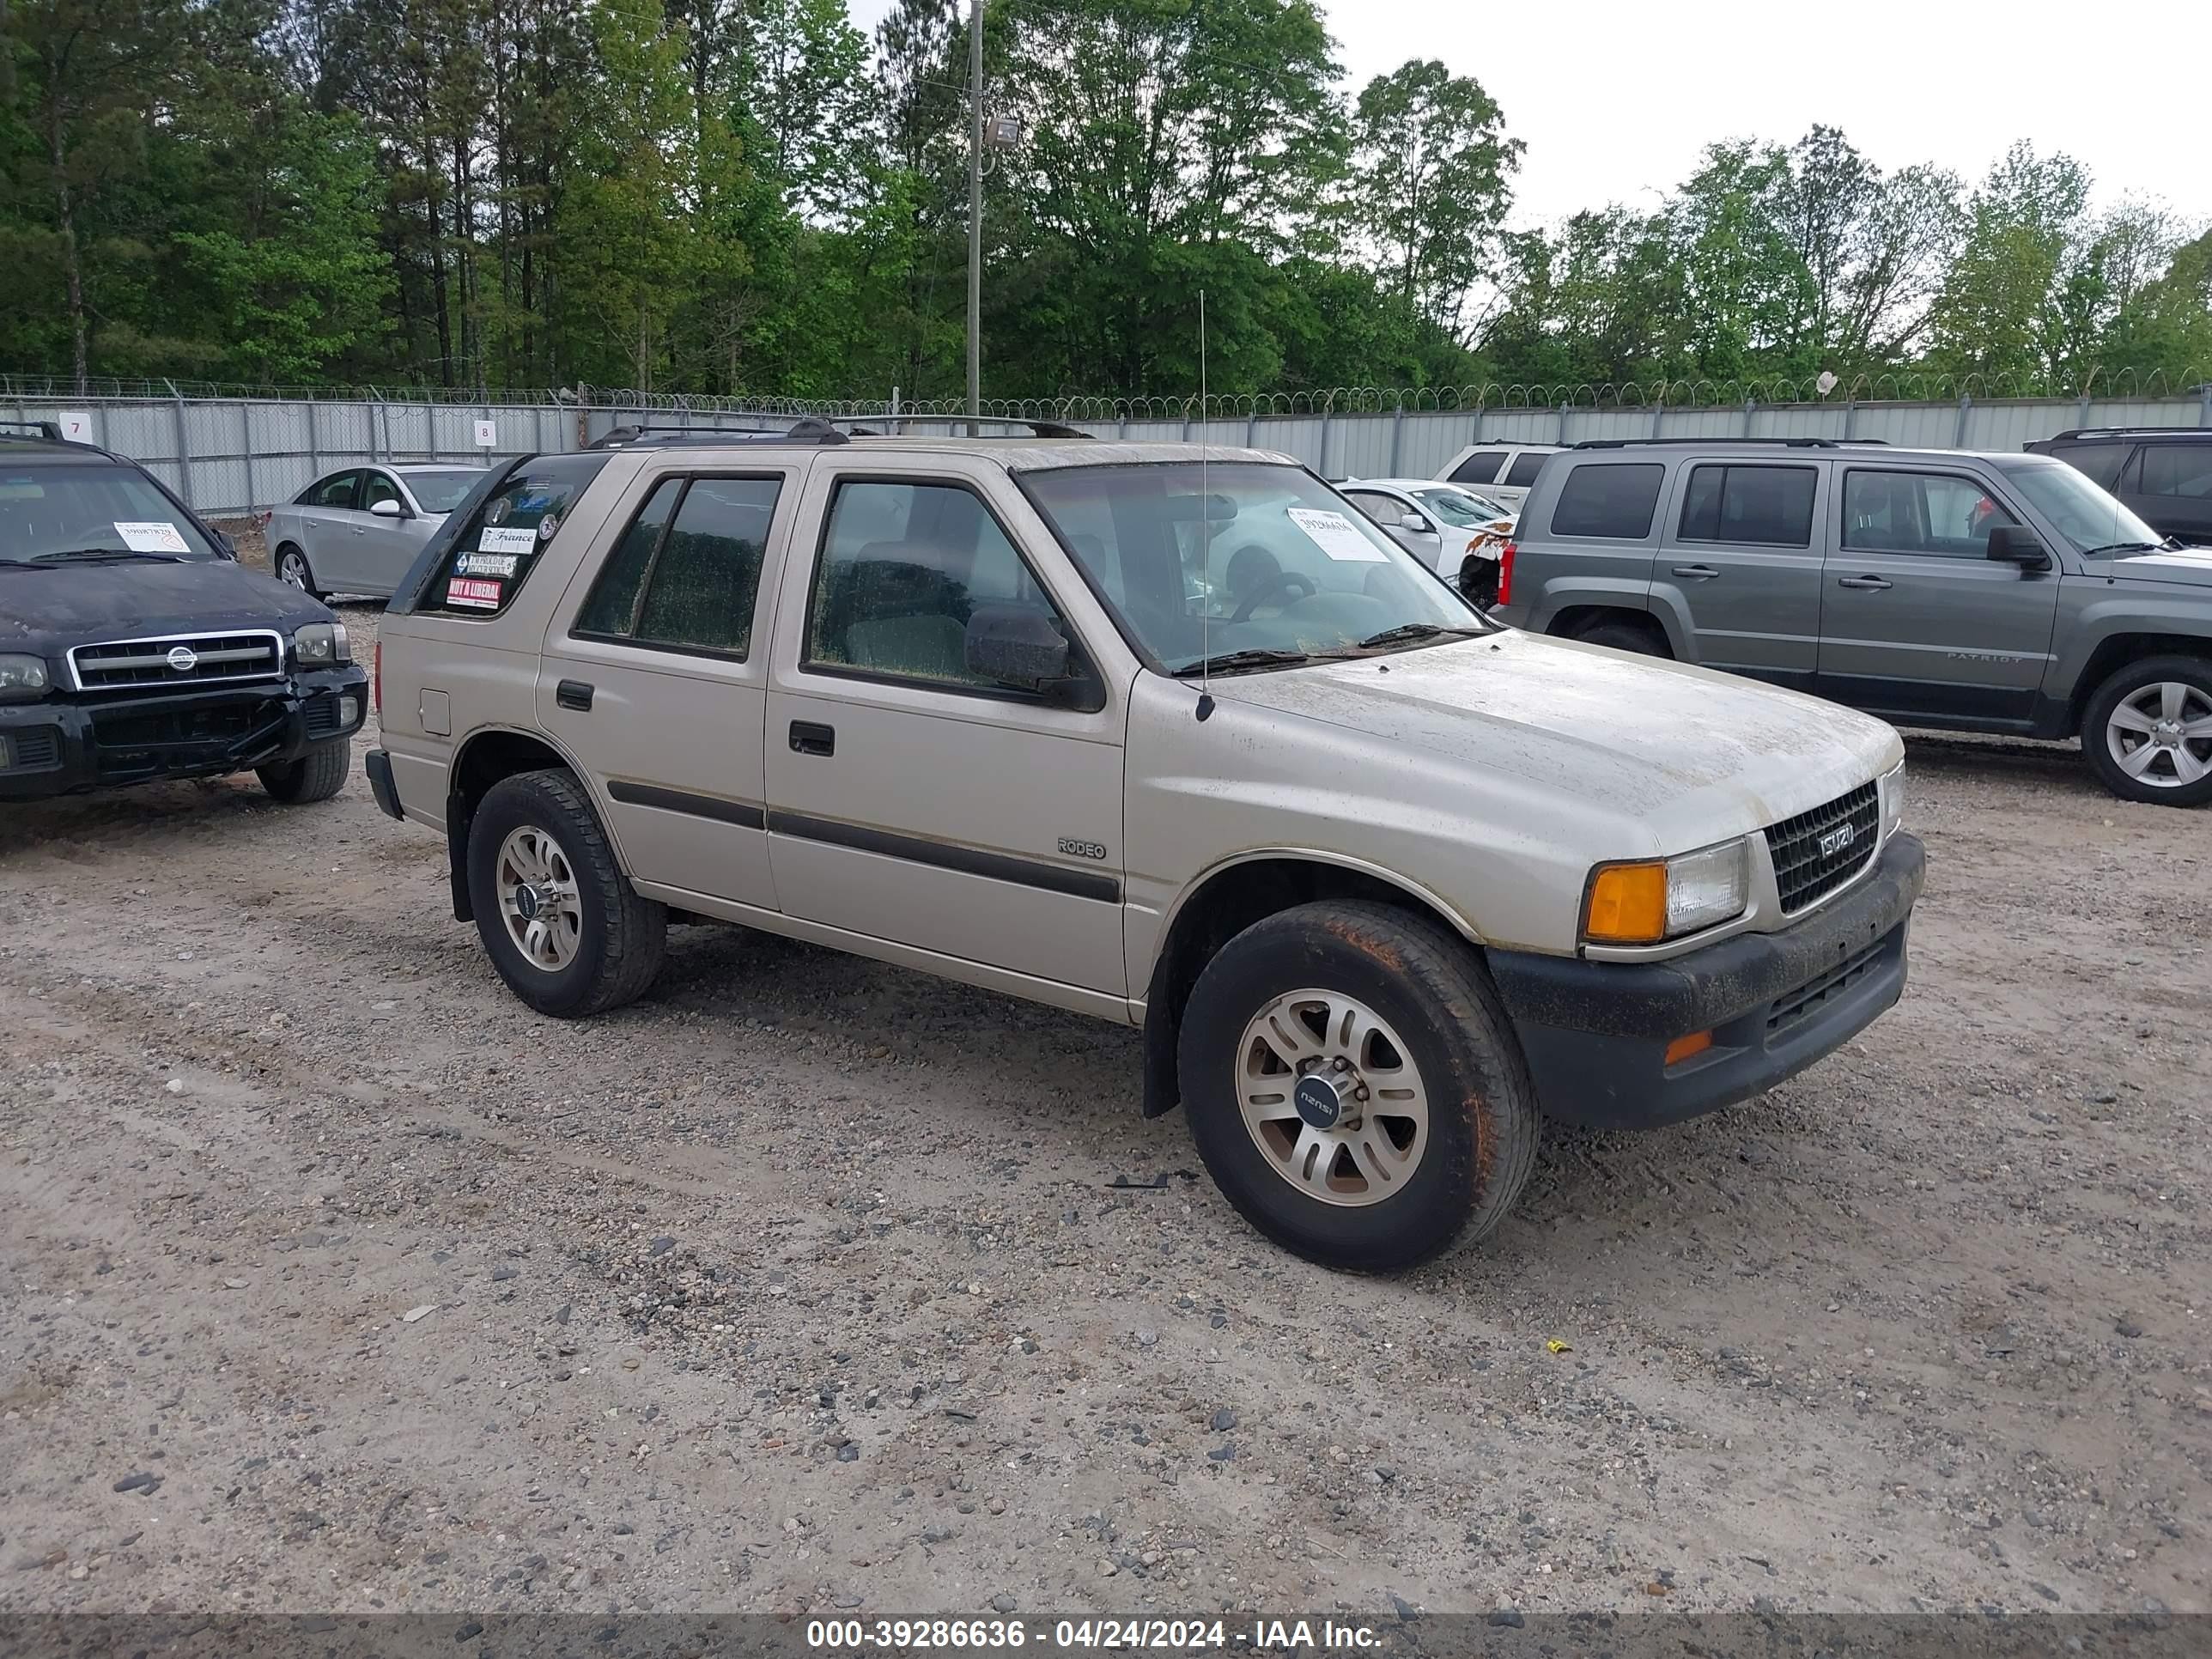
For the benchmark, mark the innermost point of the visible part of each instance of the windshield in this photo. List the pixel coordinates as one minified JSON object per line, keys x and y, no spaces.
{"x":1277,"y":561}
{"x":443,"y":491}
{"x":2088,"y":516}
{"x":1462,"y":508}
{"x":76,"y":507}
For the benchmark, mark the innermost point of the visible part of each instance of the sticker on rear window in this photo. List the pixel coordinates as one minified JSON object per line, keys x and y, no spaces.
{"x":152,"y":536}
{"x":1335,"y":535}
{"x":474,"y":595}
{"x":485,"y":564}
{"x":507,"y":539}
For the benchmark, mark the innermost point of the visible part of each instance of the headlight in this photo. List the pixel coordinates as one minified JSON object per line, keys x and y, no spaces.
{"x":320,"y":644}
{"x":1891,"y":787}
{"x":23,"y":678}
{"x":1646,"y":902}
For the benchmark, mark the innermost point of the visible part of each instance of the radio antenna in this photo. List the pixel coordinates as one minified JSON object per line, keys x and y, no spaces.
{"x":1204,"y":537}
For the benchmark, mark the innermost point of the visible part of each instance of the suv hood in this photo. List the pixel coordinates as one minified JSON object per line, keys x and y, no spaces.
{"x":2175,"y":564}
{"x":47,"y":611}
{"x":1685,"y":750}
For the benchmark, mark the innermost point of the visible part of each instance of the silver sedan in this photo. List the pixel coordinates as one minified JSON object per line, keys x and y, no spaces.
{"x":358,"y":530}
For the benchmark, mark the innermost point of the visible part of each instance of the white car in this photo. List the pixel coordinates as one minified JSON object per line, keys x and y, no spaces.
{"x":1502,"y":471}
{"x":358,"y":530}
{"x":1457,"y":533}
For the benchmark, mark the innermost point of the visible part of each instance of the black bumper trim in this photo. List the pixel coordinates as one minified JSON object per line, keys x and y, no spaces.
{"x":379,"y":768}
{"x":1595,"y":1033}
{"x":279,"y":731}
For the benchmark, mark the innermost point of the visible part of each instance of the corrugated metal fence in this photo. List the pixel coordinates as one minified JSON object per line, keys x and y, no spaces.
{"x":229,"y":455}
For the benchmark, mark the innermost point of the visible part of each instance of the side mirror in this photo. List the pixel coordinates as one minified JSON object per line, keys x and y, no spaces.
{"x":2014,"y":544}
{"x":1016,"y":646}
{"x":1414,"y":522}
{"x":387,"y":508}
{"x":224,"y":545}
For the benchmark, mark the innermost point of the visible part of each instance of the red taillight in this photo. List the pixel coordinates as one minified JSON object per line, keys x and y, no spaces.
{"x":376,"y":682}
{"x":1506,"y":573}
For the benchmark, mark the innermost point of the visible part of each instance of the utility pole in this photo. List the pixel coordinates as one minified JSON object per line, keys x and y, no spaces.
{"x":975,"y":211}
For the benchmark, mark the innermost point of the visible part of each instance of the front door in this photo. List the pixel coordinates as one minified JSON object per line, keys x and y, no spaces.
{"x":326,"y":520}
{"x":1916,"y":621}
{"x":387,"y":545}
{"x":910,"y":800}
{"x":1740,"y":550}
{"x":653,"y":678}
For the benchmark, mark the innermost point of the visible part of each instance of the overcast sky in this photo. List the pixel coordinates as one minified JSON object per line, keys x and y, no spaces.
{"x":1613,"y":98}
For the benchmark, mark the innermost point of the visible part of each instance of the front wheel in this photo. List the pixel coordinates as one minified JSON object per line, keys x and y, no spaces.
{"x":2147,"y":732}
{"x":568,"y":932}
{"x":1355,"y":1088}
{"x":316,"y":775}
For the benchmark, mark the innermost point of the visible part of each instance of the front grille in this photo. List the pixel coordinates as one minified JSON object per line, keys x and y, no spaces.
{"x":181,"y":659}
{"x":180,"y":728}
{"x":1810,"y":998}
{"x":29,"y":751}
{"x":1817,"y":852}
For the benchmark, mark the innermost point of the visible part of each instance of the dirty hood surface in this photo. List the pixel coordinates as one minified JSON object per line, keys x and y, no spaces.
{"x":49,"y":609}
{"x":2173,"y":564}
{"x":1636,"y":735}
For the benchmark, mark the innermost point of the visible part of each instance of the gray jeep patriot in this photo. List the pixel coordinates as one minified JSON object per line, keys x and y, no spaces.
{"x":2003,"y":592}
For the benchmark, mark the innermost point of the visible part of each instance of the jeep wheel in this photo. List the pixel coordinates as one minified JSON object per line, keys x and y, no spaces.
{"x":1354,"y":1087}
{"x":1645,"y":641}
{"x":2147,"y":732}
{"x":562,"y":923}
{"x":292,"y":570}
{"x":316,"y":775}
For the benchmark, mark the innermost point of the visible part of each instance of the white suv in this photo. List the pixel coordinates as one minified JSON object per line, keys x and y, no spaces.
{"x":1502,"y":471}
{"x":1175,"y":738}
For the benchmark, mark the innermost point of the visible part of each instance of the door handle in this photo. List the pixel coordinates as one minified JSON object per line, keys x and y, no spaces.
{"x":1696,"y":573}
{"x":809,"y":739}
{"x":1867,"y":584}
{"x":574,"y":693}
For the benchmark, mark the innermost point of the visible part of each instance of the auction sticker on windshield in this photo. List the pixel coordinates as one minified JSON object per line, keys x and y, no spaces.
{"x":152,"y":536}
{"x":1336,"y":536}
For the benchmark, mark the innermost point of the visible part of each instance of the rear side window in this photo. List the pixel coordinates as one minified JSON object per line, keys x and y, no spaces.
{"x":2176,"y":469}
{"x":1771,"y":506}
{"x":1526,"y":466}
{"x":501,"y":541}
{"x":337,"y":491}
{"x":1480,"y":468}
{"x":686,"y":573}
{"x":1608,"y":500}
{"x":2102,"y":462}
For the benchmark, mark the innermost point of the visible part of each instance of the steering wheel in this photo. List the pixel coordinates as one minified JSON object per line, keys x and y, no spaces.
{"x":1267,"y":587}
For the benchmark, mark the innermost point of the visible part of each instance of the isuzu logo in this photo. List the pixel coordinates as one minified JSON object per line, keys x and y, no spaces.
{"x":1837,"y":839}
{"x":183,"y":658}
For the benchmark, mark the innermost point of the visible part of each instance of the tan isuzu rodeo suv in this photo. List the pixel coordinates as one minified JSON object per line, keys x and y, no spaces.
{"x":1169,"y":736}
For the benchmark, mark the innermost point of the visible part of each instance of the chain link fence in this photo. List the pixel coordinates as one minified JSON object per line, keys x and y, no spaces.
{"x":229,"y":450}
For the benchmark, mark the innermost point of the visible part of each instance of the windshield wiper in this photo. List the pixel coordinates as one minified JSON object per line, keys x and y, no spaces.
{"x":1229,"y":662}
{"x":108,"y":553}
{"x":1406,"y":633}
{"x":2125,"y":547}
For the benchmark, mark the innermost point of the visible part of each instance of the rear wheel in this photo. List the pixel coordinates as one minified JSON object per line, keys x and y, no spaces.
{"x":291,"y":569}
{"x":568,"y":932}
{"x":316,"y":775}
{"x":1354,"y":1086}
{"x":2147,"y":732}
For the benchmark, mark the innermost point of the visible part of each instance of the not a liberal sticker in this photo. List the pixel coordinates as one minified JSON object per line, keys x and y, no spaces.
{"x":475,"y":595}
{"x":485,"y":564}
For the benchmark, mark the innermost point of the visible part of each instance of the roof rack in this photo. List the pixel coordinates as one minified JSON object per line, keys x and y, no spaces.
{"x":50,"y":430}
{"x":1771,"y":443}
{"x":816,"y":430}
{"x":2128,"y":431}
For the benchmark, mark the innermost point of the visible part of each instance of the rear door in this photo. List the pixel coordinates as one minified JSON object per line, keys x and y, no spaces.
{"x":325,"y":526}
{"x":1916,"y":621}
{"x":1740,"y":553}
{"x":654,"y":675}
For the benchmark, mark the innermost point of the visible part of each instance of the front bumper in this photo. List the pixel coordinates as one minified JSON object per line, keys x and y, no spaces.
{"x":96,"y":742}
{"x":1595,"y":1033}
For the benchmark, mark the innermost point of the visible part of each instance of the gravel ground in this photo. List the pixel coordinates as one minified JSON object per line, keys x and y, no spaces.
{"x":336,"y":1280}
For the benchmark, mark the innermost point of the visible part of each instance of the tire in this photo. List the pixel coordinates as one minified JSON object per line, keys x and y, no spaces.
{"x":316,"y":775}
{"x":2136,"y":708}
{"x":616,"y":939}
{"x":1626,"y":636}
{"x":1429,"y":991}
{"x":294,"y":571}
